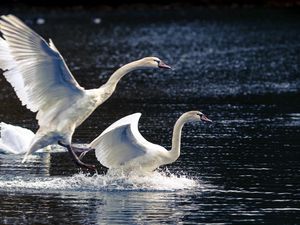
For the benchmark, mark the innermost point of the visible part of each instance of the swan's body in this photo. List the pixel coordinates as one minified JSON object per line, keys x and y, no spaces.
{"x":43,"y":82}
{"x":122,"y":146}
{"x":14,"y":139}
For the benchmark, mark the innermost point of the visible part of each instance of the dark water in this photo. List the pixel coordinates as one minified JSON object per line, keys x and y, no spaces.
{"x":240,"y":67}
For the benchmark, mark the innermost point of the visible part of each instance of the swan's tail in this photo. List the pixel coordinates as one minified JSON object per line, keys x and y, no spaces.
{"x":14,"y":139}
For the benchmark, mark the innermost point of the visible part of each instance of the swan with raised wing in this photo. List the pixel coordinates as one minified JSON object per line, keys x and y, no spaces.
{"x":122,"y":146}
{"x":43,"y":82}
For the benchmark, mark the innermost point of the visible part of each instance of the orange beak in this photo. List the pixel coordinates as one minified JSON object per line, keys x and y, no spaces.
{"x":204,"y":118}
{"x":162,"y":65}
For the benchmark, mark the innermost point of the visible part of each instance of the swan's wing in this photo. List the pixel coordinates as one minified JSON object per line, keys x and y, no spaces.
{"x":14,"y":139}
{"x":35,"y":69}
{"x":121,"y":142}
{"x":6,"y":149}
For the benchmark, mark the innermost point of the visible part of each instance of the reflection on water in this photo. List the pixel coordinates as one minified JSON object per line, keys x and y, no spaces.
{"x":106,"y":198}
{"x":239,"y":67}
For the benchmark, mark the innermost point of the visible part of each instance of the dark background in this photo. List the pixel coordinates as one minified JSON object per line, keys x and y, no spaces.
{"x":170,"y":3}
{"x":236,"y":61}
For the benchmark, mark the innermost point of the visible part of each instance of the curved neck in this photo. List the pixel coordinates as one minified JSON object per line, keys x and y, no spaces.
{"x":119,"y":73}
{"x":176,"y":138}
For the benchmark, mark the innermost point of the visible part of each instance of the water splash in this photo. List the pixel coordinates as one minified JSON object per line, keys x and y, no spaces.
{"x":155,"y":181}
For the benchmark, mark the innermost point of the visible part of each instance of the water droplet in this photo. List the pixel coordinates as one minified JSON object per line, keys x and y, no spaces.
{"x":96,"y":20}
{"x":40,"y":21}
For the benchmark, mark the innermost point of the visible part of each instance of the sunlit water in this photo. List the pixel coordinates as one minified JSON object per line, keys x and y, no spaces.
{"x":241,"y":68}
{"x":154,"y":181}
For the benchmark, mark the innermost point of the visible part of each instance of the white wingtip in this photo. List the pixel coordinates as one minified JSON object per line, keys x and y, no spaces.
{"x":130,"y":119}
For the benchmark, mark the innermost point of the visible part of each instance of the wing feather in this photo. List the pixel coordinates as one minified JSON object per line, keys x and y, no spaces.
{"x":121,"y":142}
{"x":35,"y":69}
{"x":14,"y":139}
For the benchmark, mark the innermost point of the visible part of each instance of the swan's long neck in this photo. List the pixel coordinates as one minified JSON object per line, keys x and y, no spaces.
{"x":119,"y":73}
{"x":174,"y":153}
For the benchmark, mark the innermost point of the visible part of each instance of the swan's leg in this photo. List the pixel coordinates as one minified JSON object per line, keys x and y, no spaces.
{"x":82,"y":151}
{"x":76,"y":149}
{"x":76,"y":159}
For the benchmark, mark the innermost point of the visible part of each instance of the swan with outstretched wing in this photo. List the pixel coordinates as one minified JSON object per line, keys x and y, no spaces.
{"x":44,"y":84}
{"x":122,"y":146}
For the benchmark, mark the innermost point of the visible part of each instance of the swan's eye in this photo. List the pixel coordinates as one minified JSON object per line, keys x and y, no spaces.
{"x":155,"y":60}
{"x":200,"y":114}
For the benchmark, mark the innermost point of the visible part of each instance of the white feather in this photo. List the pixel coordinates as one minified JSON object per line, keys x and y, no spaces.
{"x":36,"y":70}
{"x":14,"y":139}
{"x":121,"y":144}
{"x":43,"y":83}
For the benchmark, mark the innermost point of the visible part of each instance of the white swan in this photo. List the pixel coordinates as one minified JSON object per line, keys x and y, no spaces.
{"x":43,"y":83}
{"x":122,"y":146}
{"x":14,"y":139}
{"x":17,"y":140}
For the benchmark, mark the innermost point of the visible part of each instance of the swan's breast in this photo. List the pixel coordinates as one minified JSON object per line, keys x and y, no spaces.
{"x":73,"y":116}
{"x":150,"y":161}
{"x":84,"y":109}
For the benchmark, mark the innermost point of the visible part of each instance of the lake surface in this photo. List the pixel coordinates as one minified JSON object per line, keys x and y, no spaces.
{"x":239,"y":67}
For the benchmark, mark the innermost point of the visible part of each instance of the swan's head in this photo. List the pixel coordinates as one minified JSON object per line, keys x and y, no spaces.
{"x":196,"y":116}
{"x":153,"y":62}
